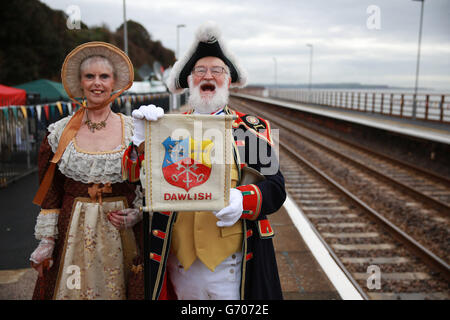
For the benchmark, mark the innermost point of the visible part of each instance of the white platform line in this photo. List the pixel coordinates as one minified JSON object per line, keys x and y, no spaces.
{"x":337,"y":277}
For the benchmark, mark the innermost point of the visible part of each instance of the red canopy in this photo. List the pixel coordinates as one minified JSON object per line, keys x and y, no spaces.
{"x":12,"y":96}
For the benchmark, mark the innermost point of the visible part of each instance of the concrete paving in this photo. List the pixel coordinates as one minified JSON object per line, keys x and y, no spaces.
{"x":17,"y":219}
{"x":301,"y":276}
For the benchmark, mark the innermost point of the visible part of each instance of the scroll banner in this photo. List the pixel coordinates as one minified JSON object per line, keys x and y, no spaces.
{"x":188,"y":162}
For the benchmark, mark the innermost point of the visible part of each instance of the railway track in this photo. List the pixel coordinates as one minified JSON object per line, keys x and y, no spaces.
{"x":345,"y":195}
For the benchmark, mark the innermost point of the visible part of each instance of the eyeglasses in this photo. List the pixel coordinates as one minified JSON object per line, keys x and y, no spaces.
{"x":201,"y":71}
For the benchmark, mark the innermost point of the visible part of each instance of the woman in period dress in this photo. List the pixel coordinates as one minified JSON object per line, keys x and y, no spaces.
{"x":89,"y":223}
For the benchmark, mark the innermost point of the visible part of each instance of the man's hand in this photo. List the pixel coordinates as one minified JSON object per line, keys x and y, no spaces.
{"x":229,"y":215}
{"x":151,"y":113}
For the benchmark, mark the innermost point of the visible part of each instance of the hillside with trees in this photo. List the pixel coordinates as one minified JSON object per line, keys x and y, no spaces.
{"x":34,"y":40}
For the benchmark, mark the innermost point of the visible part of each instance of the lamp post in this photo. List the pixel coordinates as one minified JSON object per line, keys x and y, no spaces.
{"x":125,"y":31}
{"x":175,"y":101}
{"x":275,"y":72}
{"x":414,"y":111}
{"x":310,"y":65}
{"x":125,"y":48}
{"x":178,"y":39}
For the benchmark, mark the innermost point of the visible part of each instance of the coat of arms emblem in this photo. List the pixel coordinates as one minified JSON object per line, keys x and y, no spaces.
{"x":187,"y":162}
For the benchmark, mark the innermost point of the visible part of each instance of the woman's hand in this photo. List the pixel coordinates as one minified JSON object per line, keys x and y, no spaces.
{"x":125,"y":218}
{"x":41,"y":258}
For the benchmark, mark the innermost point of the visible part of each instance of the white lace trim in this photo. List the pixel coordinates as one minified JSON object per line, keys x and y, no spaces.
{"x":90,"y":167}
{"x":46,"y":226}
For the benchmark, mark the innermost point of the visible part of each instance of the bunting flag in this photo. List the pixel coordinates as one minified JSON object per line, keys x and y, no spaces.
{"x":31,"y":108}
{"x":47,"y":111}
{"x":52,"y":110}
{"x":60,"y":109}
{"x":24,"y":111}
{"x":14,"y":110}
{"x":39,"y":112}
{"x":6,"y":113}
{"x":67,"y":108}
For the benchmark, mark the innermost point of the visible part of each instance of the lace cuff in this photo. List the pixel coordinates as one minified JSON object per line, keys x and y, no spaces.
{"x":47,"y":224}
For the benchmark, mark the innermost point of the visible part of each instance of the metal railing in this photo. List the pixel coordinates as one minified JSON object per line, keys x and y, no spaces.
{"x":429,"y":106}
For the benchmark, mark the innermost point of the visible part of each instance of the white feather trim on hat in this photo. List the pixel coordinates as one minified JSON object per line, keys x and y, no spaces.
{"x":208,"y":32}
{"x":171,"y":80}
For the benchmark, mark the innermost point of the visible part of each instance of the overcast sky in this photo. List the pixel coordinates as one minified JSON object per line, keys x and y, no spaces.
{"x":366,"y":41}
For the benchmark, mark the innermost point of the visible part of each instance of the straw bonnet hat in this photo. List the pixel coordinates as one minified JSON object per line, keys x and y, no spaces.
{"x":70,"y":72}
{"x":208,"y":42}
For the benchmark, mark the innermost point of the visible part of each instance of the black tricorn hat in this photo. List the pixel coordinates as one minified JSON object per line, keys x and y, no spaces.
{"x":208,"y":43}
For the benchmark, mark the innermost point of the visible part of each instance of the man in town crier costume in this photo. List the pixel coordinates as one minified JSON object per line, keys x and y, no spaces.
{"x":225,"y":254}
